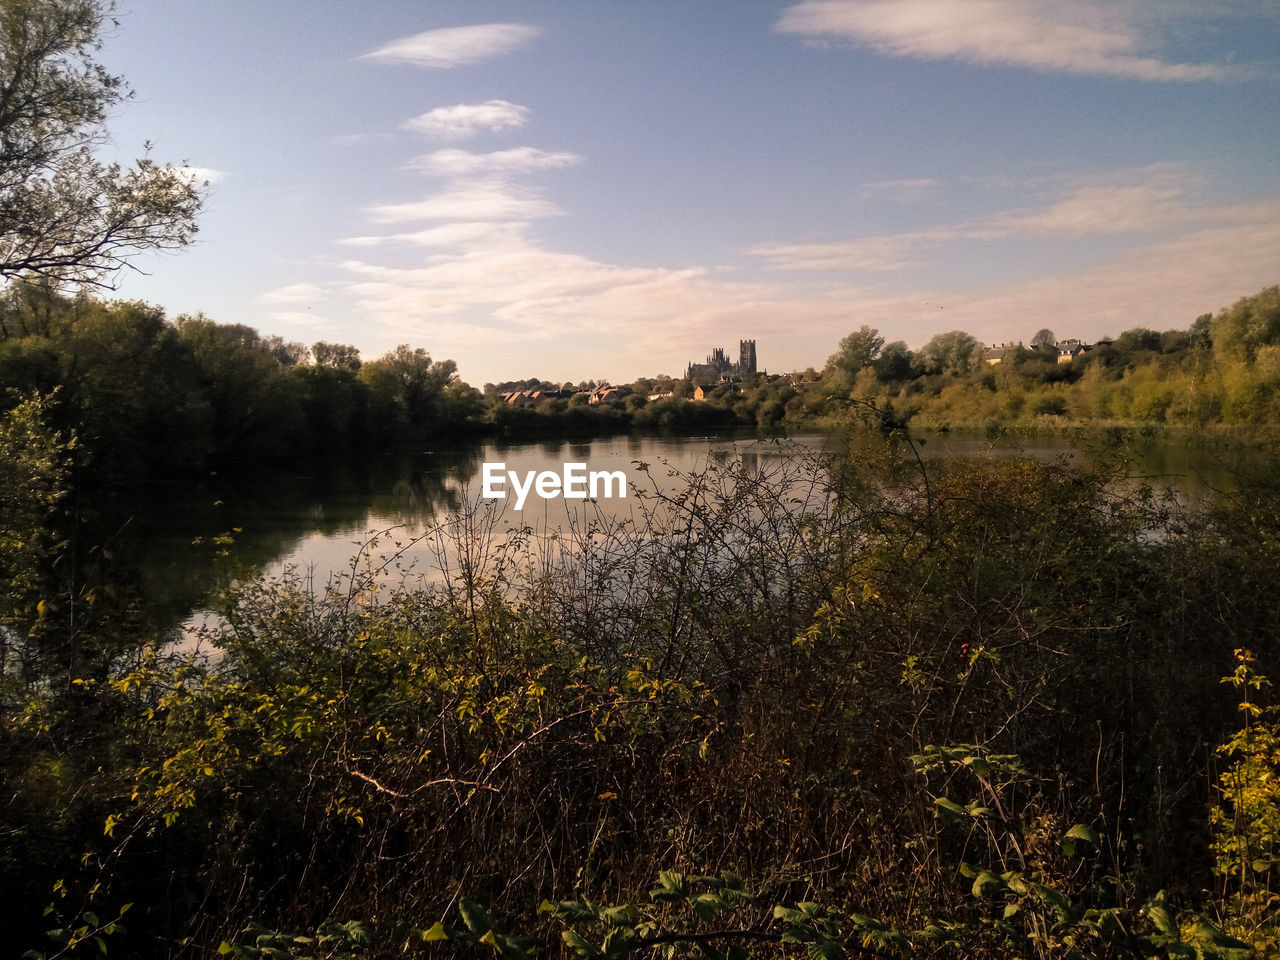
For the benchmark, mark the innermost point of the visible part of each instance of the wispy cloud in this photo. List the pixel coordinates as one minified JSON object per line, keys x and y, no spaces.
{"x":1146,"y":200}
{"x":202,"y":174}
{"x":462,"y":163}
{"x":467,"y":119}
{"x":1097,"y":210}
{"x":1107,"y":37}
{"x":873,"y":254}
{"x":452,"y":47}
{"x":294,"y":293}
{"x":470,"y":201}
{"x":314,"y":323}
{"x":536,"y":294}
{"x":460,"y":235}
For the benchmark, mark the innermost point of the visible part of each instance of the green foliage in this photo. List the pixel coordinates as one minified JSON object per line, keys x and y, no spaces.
{"x":411,"y":395}
{"x":1246,"y":817}
{"x":148,"y":397}
{"x":35,"y":464}
{"x":895,"y":362}
{"x":857,"y":351}
{"x":64,"y":215}
{"x":1222,"y":370}
{"x":337,"y":356}
{"x":716,"y":917}
{"x":1247,"y":325}
{"x":954,"y":352}
{"x":87,"y":935}
{"x":842,"y":677}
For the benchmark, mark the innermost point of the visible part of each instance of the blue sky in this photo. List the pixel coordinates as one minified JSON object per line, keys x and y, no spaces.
{"x":581,"y":189}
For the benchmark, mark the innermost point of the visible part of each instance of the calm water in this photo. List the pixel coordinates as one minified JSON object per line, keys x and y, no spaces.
{"x":177,"y":542}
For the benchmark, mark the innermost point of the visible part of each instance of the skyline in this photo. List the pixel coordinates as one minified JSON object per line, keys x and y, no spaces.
{"x":572,"y":190}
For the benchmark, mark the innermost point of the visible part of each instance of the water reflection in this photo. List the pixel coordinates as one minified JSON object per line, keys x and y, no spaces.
{"x":171,"y":545}
{"x":1192,"y":471}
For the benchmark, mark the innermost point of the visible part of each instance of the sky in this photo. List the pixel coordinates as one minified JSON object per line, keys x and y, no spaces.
{"x":584,"y":189}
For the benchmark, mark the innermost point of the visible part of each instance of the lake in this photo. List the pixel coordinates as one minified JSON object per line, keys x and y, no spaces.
{"x":175,"y":541}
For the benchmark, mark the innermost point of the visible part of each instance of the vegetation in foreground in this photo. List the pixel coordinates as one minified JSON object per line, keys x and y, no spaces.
{"x":852,"y":709}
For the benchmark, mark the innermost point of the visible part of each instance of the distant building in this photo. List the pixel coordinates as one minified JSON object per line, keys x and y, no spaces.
{"x":994,"y":355}
{"x":606,"y":394}
{"x":1068,"y":350}
{"x":718,"y":366}
{"x":999,"y":354}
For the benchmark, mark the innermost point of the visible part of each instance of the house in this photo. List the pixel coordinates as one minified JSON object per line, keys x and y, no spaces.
{"x":1068,"y":350}
{"x":994,"y":355}
{"x":605,"y":394}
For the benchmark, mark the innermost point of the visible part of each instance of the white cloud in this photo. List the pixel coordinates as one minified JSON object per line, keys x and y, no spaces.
{"x":460,"y":234}
{"x":536,"y":295}
{"x":312,"y":321}
{"x":202,"y":174}
{"x":452,"y":47}
{"x":452,"y":162}
{"x":294,"y":293}
{"x":1098,"y":210}
{"x":467,"y":119}
{"x":1074,"y":36}
{"x":1146,"y":200}
{"x":875,"y":254}
{"x":470,"y":201}
{"x":493,"y":298}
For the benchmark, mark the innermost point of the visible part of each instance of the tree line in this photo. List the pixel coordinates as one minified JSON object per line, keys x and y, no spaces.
{"x":146,"y":396}
{"x":1223,"y":368}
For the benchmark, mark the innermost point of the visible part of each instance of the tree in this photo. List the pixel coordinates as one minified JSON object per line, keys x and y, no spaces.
{"x":408,"y":388}
{"x":1200,"y":331}
{"x":64,"y":216}
{"x":289,"y":353}
{"x":896,"y":362}
{"x":130,"y":386}
{"x":859,"y":349}
{"x":341,"y":356}
{"x":254,"y":410}
{"x":950,"y":352}
{"x":1044,"y":338}
{"x":1249,"y":323}
{"x":35,"y":466}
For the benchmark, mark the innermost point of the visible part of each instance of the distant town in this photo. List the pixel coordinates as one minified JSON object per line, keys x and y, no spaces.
{"x":698,"y":379}
{"x":719,"y":370}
